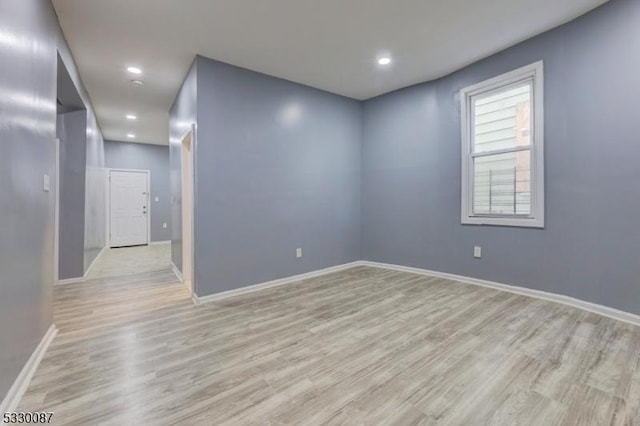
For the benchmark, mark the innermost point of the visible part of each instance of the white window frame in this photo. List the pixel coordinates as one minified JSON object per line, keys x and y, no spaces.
{"x":534,"y":73}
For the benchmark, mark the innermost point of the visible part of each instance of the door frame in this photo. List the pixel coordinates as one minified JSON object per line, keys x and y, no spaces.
{"x":148,"y":172}
{"x":191,"y":282}
{"x":56,"y":217}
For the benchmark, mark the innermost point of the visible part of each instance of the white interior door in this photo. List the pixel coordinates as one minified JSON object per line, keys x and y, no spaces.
{"x":129,"y":201}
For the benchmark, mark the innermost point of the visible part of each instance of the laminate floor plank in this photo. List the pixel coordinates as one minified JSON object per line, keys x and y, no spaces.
{"x":363,"y":346}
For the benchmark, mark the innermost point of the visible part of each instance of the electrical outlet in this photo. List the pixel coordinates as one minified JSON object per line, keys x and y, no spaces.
{"x":298,"y":253}
{"x":46,"y":183}
{"x":157,"y":199}
{"x":164,"y":225}
{"x":477,"y":252}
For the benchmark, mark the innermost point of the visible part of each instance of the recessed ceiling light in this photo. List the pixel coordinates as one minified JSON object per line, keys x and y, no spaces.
{"x":134,"y":70}
{"x":131,"y":117}
{"x":384,"y":61}
{"x":137,"y":82}
{"x":131,"y":135}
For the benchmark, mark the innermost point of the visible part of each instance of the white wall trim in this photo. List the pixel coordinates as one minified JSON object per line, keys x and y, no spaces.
{"x":159,"y":243}
{"x":177,"y":271}
{"x":11,"y":401}
{"x":538,"y":294}
{"x":188,"y":256}
{"x":86,"y":274}
{"x":69,"y":281}
{"x":269,"y":284}
{"x":56,"y":219}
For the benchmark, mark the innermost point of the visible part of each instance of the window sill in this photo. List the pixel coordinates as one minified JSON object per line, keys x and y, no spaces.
{"x":504,"y":221}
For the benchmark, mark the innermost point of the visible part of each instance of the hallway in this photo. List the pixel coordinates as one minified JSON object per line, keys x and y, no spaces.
{"x":111,"y":329}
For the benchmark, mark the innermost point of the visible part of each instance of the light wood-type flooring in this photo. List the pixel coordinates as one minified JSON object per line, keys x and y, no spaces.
{"x":364,"y":346}
{"x":131,"y":260}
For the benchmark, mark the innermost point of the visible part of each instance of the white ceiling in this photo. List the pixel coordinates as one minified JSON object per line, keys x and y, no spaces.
{"x":328,"y":44}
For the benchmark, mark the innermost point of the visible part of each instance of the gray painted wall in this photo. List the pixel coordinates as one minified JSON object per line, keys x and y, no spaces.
{"x":277,"y":167}
{"x":127,"y":155}
{"x":72,"y":132}
{"x":589,"y":249}
{"x":31,"y":35}
{"x":182,"y":116}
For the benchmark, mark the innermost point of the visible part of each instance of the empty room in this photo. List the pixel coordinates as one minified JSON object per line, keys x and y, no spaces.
{"x":301,"y":212}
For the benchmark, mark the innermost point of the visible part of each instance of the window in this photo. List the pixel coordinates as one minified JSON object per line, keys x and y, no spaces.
{"x":502,"y":150}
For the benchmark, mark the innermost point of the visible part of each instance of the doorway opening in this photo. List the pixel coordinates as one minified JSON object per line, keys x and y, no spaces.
{"x":138,"y":232}
{"x":69,"y":179}
{"x":131,"y":249}
{"x":187,"y":210}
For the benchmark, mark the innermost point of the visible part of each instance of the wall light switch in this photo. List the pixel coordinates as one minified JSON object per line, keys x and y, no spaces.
{"x":157,"y":199}
{"x":298,"y":252}
{"x":164,"y":225}
{"x":477,"y":252}
{"x":46,"y":183}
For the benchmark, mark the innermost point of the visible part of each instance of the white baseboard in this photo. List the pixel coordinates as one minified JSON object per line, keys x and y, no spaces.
{"x":69,"y":281}
{"x":11,"y":401}
{"x":538,"y":294}
{"x":269,"y":284}
{"x":86,"y":274}
{"x":159,"y":243}
{"x":177,"y":271}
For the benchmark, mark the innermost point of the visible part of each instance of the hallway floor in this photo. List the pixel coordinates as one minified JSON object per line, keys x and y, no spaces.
{"x":361,"y":346}
{"x":131,"y":260}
